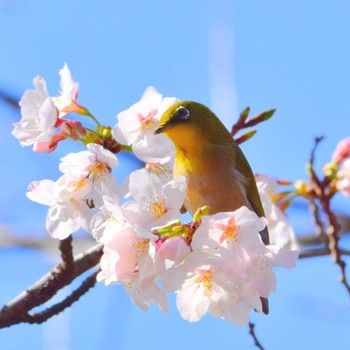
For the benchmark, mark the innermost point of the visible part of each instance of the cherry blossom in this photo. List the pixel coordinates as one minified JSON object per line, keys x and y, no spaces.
{"x":66,"y":101}
{"x":94,"y":161}
{"x":155,"y":204}
{"x":39,"y":115}
{"x":128,"y":258}
{"x":235,"y":231}
{"x":68,"y":211}
{"x":343,"y":178}
{"x":229,"y":269}
{"x":172,"y":251}
{"x":196,"y":285}
{"x":122,"y":250}
{"x":144,"y":296}
{"x":164,"y":170}
{"x":342,"y":151}
{"x":281,"y":231}
{"x":137,"y":124}
{"x":84,"y":173}
{"x":96,"y":164}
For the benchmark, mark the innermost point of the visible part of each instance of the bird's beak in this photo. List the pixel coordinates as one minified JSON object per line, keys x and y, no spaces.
{"x":163,"y":127}
{"x":159,"y":130}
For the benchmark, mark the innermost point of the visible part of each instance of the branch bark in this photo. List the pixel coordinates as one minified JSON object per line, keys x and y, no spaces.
{"x":252,"y":333}
{"x":323,"y":193}
{"x":43,"y":316}
{"x":17,"y":310}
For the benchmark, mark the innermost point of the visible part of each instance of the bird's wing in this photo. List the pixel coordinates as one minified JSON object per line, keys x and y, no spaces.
{"x":253,"y":197}
{"x":252,"y":192}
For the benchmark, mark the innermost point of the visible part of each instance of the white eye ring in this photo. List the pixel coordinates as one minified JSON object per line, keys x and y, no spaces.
{"x":182,"y":113}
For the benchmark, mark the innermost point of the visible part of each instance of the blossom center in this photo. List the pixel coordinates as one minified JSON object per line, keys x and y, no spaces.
{"x":129,"y":284}
{"x":158,"y":210}
{"x":204,"y":280}
{"x":77,"y":186}
{"x":99,"y":168}
{"x":147,"y":121}
{"x":141,"y":248}
{"x":158,"y":169}
{"x":230,"y":233}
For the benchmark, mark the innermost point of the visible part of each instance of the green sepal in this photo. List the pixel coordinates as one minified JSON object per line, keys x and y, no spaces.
{"x":197,"y":217}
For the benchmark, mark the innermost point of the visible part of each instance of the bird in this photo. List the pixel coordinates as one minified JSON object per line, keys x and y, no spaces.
{"x":217,"y":173}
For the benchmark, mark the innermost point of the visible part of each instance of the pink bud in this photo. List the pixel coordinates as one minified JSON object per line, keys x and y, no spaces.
{"x":342,"y":151}
{"x":343,"y":175}
{"x":46,"y":147}
{"x":72,"y":129}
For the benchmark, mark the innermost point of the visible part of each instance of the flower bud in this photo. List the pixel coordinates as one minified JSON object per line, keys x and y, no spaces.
{"x":342,"y":151}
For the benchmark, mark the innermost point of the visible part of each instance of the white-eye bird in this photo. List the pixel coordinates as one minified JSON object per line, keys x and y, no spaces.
{"x":217,"y":172}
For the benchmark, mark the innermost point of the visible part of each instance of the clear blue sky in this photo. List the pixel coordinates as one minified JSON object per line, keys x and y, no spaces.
{"x":292,"y":56}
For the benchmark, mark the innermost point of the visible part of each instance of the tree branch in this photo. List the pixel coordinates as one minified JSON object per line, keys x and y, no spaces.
{"x":17,"y":310}
{"x":311,"y":253}
{"x":244,"y":123}
{"x":43,"y":316}
{"x":9,"y":99}
{"x":324,"y":194}
{"x":320,"y":229}
{"x":66,"y":249}
{"x":334,"y":237}
{"x":252,"y":333}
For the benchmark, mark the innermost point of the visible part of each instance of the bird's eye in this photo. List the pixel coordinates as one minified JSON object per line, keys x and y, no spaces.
{"x":182,"y":113}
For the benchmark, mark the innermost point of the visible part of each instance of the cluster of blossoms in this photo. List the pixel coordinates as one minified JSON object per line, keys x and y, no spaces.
{"x":42,"y":114}
{"x":217,"y":264}
{"x":336,"y":172}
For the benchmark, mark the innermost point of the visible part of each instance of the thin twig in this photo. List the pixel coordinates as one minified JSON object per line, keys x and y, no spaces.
{"x":312,"y":253}
{"x":43,"y":316}
{"x":9,"y":99}
{"x":324,"y":194}
{"x":252,"y":333}
{"x":244,"y":123}
{"x":320,"y":229}
{"x":334,"y":237}
{"x":17,"y":310}
{"x":312,"y":173}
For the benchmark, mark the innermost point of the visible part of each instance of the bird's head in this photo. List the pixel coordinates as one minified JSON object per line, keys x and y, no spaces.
{"x":186,"y":122}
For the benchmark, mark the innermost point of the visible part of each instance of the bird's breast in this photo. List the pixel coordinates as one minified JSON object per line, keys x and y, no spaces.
{"x":211,"y":181}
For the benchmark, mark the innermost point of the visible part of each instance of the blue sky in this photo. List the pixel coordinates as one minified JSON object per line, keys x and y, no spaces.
{"x":226,"y":54}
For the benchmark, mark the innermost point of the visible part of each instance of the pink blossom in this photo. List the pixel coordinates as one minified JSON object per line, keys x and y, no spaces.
{"x":136,"y":127}
{"x":281,"y":231}
{"x":123,"y":251}
{"x":49,"y":146}
{"x":343,"y":178}
{"x":65,"y":102}
{"x":164,"y":170}
{"x":234,"y":231}
{"x":128,"y":259}
{"x":68,"y":211}
{"x":199,"y":285}
{"x":39,"y":115}
{"x":155,"y":204}
{"x":342,"y":151}
{"x":84,"y":173}
{"x":94,"y":164}
{"x":144,"y":296}
{"x":72,"y":129}
{"x":229,"y":269}
{"x":172,"y":250}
